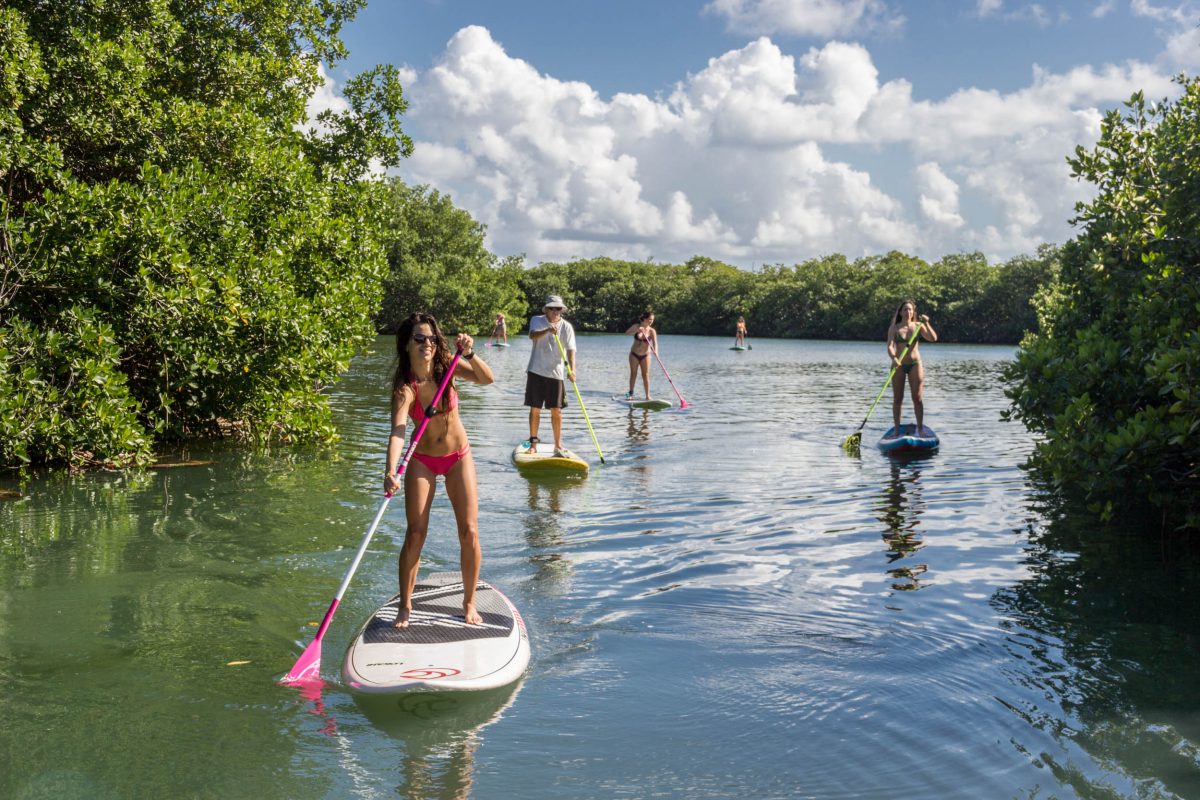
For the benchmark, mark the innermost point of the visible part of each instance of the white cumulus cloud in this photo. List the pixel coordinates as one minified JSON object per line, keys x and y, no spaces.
{"x":938,"y":195}
{"x":761,"y":156}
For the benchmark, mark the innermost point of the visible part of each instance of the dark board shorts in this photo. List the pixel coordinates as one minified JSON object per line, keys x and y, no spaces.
{"x":543,"y":392}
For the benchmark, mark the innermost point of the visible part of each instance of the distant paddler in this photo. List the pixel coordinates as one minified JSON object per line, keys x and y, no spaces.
{"x":903,"y":347}
{"x":739,"y":332}
{"x":645,"y":340}
{"x":499,"y":331}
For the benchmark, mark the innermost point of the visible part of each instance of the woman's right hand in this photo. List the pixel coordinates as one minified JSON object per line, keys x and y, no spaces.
{"x":391,"y":484}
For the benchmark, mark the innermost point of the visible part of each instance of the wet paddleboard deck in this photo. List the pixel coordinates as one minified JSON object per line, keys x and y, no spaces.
{"x":908,"y":439}
{"x":439,"y":651}
{"x":633,"y":402}
{"x":544,"y":459}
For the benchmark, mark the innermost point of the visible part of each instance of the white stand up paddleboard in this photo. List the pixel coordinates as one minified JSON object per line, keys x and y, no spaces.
{"x":633,"y":402}
{"x":544,"y":459}
{"x":439,"y":651}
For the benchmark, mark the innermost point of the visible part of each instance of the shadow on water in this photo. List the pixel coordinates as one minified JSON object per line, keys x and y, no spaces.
{"x":439,"y":733}
{"x":1105,"y":637}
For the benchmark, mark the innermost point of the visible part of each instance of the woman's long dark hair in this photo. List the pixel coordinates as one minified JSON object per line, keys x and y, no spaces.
{"x":900,"y":308}
{"x":441,"y":356}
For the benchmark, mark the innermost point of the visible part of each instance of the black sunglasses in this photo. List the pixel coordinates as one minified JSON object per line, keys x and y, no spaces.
{"x":422,"y":338}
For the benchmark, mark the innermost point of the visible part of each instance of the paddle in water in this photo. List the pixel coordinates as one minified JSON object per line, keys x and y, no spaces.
{"x":682,"y":403}
{"x":852,"y":442}
{"x":578,"y":397}
{"x":307,"y":669}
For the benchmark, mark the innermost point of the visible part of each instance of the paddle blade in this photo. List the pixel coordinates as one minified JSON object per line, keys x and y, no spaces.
{"x":683,"y":403}
{"x":852,"y":443}
{"x":307,"y":669}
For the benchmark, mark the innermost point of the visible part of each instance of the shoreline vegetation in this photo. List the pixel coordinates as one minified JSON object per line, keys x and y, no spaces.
{"x":184,"y":254}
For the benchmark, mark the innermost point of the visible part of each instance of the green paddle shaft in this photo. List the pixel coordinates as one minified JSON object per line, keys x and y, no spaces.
{"x":578,"y":397}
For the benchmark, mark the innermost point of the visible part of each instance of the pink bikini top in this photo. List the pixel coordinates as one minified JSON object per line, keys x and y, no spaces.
{"x":418,"y":414}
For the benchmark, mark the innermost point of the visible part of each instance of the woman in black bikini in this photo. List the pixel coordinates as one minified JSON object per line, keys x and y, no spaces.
{"x":644,"y":338}
{"x":899,"y":332}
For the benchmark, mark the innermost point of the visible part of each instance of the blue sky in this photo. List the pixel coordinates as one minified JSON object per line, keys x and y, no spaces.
{"x":764,"y":131}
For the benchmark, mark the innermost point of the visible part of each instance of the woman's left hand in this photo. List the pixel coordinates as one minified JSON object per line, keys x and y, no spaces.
{"x":464,"y":342}
{"x":924,"y":318}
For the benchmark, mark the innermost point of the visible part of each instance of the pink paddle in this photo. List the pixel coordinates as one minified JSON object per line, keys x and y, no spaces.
{"x":682,"y":403}
{"x":307,"y":669}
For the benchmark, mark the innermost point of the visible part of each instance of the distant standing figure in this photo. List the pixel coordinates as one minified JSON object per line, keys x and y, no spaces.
{"x":645,"y":339}
{"x":739,"y":334}
{"x":899,"y":332}
{"x":499,"y":330}
{"x":545,"y":375}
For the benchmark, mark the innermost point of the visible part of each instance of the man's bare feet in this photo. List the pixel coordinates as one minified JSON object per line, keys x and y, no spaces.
{"x":471,"y":615}
{"x":402,"y":616}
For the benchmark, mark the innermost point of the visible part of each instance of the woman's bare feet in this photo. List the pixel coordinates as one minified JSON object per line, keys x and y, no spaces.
{"x":471,"y":615}
{"x":402,"y":616}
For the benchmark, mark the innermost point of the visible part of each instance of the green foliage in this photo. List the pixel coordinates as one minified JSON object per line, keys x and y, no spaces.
{"x":62,"y":396}
{"x":161,"y":194}
{"x":437,"y":263}
{"x":1110,"y":378}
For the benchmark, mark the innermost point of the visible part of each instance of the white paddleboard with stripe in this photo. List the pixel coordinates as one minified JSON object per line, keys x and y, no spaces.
{"x":439,"y":651}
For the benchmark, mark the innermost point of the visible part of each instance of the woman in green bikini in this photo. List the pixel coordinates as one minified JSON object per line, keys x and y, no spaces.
{"x":908,"y":365}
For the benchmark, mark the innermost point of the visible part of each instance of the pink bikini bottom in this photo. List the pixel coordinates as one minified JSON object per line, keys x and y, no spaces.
{"x":440,"y":465}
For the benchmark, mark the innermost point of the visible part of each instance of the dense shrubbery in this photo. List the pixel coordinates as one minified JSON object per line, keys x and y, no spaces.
{"x":1110,"y":378}
{"x":177,"y":256}
{"x":825,"y":298}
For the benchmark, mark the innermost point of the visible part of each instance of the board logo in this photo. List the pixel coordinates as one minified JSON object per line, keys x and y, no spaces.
{"x":429,"y":673}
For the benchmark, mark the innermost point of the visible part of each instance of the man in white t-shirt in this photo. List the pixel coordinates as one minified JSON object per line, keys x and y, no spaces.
{"x":544,"y":386}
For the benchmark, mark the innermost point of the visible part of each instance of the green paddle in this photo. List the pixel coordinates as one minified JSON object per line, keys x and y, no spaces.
{"x":851,"y":443}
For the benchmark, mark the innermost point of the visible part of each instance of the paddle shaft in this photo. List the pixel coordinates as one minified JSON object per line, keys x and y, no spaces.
{"x":362,"y":547}
{"x":578,"y":397}
{"x":682,"y":403}
{"x":891,"y":375}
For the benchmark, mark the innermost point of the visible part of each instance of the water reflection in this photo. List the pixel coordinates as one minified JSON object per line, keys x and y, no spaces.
{"x":1104,"y":635}
{"x":638,"y":426}
{"x":440,"y":734}
{"x":902,"y":505}
{"x":547,"y":498}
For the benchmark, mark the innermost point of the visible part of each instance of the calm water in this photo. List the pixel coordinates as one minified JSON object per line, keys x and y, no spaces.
{"x":731,"y":607}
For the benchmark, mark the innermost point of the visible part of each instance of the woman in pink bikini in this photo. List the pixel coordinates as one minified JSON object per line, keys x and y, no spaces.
{"x":644,"y":338}
{"x":423,"y":359}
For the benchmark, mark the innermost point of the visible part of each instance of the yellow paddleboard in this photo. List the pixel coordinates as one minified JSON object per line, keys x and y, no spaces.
{"x":544,"y":459}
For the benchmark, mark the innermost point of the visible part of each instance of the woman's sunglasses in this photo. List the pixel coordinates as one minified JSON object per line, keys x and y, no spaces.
{"x":422,"y":338}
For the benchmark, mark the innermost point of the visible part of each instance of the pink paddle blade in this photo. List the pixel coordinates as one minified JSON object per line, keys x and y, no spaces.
{"x":307,"y":668}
